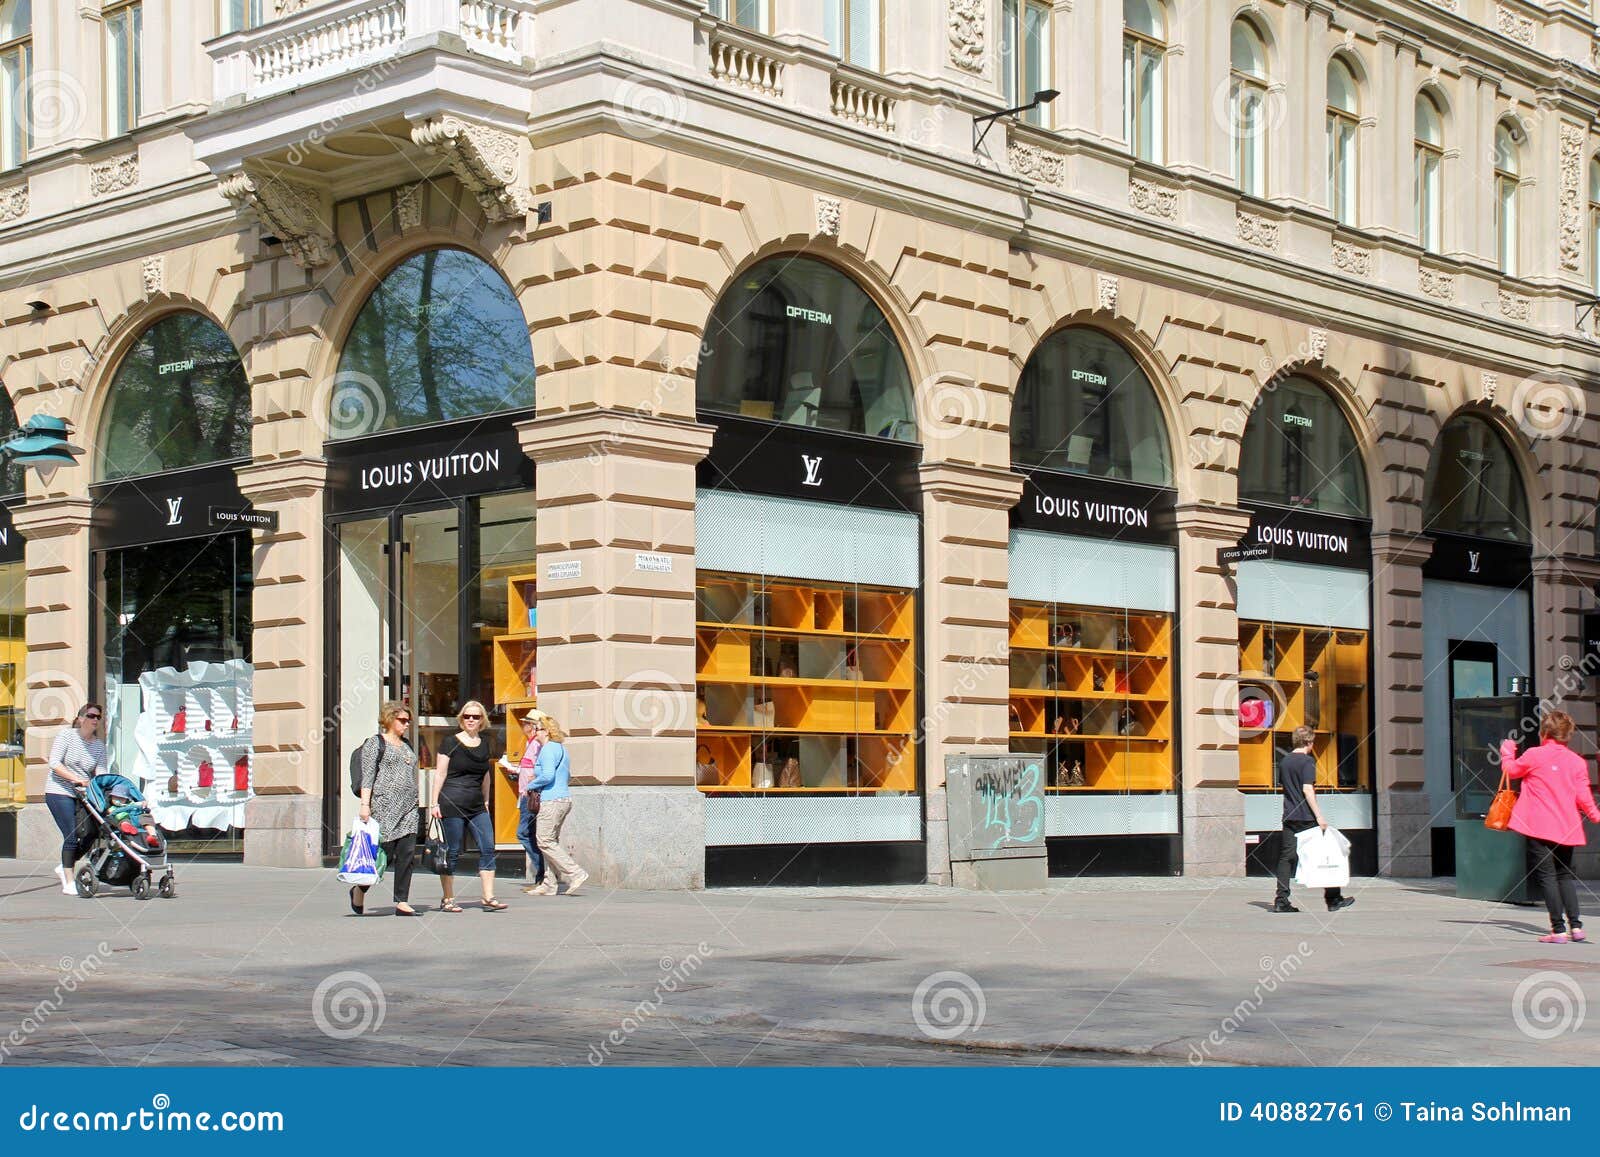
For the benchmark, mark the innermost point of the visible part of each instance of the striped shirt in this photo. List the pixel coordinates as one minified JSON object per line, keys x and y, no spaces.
{"x":72,"y":751}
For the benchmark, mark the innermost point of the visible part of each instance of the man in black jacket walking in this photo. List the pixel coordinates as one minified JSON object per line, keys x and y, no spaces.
{"x":1297,"y":777}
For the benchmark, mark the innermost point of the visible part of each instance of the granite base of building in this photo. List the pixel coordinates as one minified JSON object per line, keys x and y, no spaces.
{"x":937,"y":827}
{"x":283,"y":831}
{"x":38,"y":838}
{"x":639,"y":837}
{"x":1405,"y":838}
{"x":1002,"y":875}
{"x":1213,"y":832}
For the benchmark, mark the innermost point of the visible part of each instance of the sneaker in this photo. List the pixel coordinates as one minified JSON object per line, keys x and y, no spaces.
{"x":530,"y":889}
{"x":68,"y":887}
{"x":1553,"y":938}
{"x":1284,"y":906}
{"x":1577,"y":935}
{"x":578,"y":881}
{"x":548,"y":888}
{"x":1342,"y":902}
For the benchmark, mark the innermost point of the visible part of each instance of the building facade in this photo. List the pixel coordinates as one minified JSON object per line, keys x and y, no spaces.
{"x":719,"y":379}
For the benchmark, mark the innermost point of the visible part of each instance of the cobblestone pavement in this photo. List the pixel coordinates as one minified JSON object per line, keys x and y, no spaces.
{"x":266,"y":967}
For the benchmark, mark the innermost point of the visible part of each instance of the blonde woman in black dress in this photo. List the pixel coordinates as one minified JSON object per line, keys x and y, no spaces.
{"x":389,"y":795}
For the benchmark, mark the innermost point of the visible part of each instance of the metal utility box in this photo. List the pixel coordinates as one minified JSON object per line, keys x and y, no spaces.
{"x":996,"y":807}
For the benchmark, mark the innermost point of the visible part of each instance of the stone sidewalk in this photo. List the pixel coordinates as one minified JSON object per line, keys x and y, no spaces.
{"x":265,"y":966}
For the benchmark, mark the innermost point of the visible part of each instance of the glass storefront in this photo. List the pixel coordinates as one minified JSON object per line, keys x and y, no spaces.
{"x":13,"y":686}
{"x":1300,"y":452}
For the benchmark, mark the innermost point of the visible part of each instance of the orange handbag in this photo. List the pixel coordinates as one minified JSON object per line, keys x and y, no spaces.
{"x":1499,"y":817}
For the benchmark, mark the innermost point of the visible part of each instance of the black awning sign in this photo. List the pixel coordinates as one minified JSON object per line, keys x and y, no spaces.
{"x":243,"y":518}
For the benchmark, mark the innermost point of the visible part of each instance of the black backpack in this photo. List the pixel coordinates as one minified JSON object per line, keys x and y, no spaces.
{"x":355,"y":764}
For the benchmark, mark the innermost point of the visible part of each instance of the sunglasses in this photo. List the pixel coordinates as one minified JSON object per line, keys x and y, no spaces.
{"x":402,"y":719}
{"x":93,"y":715}
{"x":466,"y":717}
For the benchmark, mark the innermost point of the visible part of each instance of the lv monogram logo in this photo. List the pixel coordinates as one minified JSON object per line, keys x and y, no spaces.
{"x":174,"y":511}
{"x":813,"y":465}
{"x":1473,"y":557}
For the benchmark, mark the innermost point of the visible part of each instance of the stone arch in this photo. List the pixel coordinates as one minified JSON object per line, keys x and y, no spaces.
{"x":1347,"y":400}
{"x":1523,"y":461}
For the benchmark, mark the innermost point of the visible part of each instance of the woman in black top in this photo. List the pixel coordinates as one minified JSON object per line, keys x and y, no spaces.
{"x":460,"y":785}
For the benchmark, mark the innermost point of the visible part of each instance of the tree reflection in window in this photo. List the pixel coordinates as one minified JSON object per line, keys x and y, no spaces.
{"x":179,"y":398}
{"x":1299,"y":450}
{"x":1473,"y":486}
{"x":796,"y":340}
{"x":1084,"y":406}
{"x":10,"y":472}
{"x":441,"y":337}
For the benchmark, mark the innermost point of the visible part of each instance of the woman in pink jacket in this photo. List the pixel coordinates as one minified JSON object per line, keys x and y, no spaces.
{"x":1555,"y":793}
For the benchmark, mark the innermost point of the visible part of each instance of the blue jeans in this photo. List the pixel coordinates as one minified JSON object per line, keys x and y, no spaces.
{"x":455,"y":830}
{"x":525,"y":827}
{"x":73,"y":820}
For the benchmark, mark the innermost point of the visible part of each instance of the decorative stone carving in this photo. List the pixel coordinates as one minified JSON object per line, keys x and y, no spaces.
{"x":114,"y":175}
{"x":1317,"y":342}
{"x":486,"y":160}
{"x":408,"y":206}
{"x":1105,"y":292}
{"x":1490,"y":384}
{"x":1041,"y":166}
{"x":1156,"y":200}
{"x":829,"y":212}
{"x":1437,"y":283}
{"x":13,"y":202}
{"x":1352,"y":259}
{"x":1258,"y":231}
{"x":1515,"y":306}
{"x":285,"y":7}
{"x":1518,"y":27}
{"x":295,"y":213}
{"x":968,"y":19}
{"x":154,"y":271}
{"x":1572,"y":200}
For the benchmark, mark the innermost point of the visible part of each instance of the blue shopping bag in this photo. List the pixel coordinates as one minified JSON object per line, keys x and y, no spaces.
{"x":358,"y":864}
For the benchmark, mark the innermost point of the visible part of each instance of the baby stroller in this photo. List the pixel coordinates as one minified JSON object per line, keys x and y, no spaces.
{"x":123,"y":853}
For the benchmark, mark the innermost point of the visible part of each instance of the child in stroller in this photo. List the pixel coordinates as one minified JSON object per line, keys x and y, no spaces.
{"x":128,"y":848}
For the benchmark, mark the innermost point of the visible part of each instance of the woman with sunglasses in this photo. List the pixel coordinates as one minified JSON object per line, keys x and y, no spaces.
{"x":460,"y":791}
{"x":389,"y":795}
{"x":77,"y":756}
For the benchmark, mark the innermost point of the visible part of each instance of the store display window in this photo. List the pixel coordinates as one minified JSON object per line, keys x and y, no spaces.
{"x":1292,"y":676}
{"x":796,"y":340}
{"x":1473,"y":486}
{"x":179,"y":399}
{"x":1091,"y":691}
{"x":804,"y":686}
{"x":1084,"y":406}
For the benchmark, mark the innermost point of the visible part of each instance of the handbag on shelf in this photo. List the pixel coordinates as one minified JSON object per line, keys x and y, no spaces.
{"x":1499,"y":817}
{"x":438,"y":851}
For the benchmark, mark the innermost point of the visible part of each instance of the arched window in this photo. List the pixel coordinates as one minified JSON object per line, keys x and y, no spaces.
{"x":1144,"y":49}
{"x":1507,"y":166}
{"x":797,"y":340}
{"x":1473,"y":484}
{"x":16,"y":65}
{"x":179,"y":398}
{"x":1248,"y":103}
{"x":442,"y":337}
{"x":1594,"y":222}
{"x":10,"y":472}
{"x":1427,"y":180}
{"x":1084,"y":406}
{"x":1344,"y":111}
{"x":1299,"y":450}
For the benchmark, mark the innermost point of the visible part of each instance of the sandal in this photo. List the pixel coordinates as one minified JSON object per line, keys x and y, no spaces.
{"x":1554,"y":938}
{"x":493,"y":905}
{"x":357,"y":902}
{"x":450,"y":906}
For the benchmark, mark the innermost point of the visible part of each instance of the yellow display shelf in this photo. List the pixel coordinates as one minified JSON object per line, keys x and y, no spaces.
{"x":1316,"y":676}
{"x":515,"y":651}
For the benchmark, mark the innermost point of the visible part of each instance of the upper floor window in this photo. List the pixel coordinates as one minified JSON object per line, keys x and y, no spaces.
{"x":797,"y":340}
{"x":1473,"y":484}
{"x":441,"y":337}
{"x":756,"y":15}
{"x":1428,"y":160}
{"x":1024,"y":54}
{"x":180,"y":398}
{"x":237,"y":15}
{"x":16,"y":63}
{"x":854,"y":29}
{"x":1299,"y":450}
{"x":1144,"y":49}
{"x":1594,"y":221}
{"x":1343,"y":124}
{"x":124,"y":25}
{"x":1247,"y":98}
{"x":1507,"y":165}
{"x":1085,"y":407}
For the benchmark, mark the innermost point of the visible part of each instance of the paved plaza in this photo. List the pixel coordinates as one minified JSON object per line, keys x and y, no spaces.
{"x":264,"y":967}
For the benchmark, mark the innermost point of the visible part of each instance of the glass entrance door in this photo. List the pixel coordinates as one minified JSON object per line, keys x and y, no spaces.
{"x":433,"y":679}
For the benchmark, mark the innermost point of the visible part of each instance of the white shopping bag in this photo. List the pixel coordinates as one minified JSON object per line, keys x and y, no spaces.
{"x":1324,"y":859}
{"x":359,"y":863}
